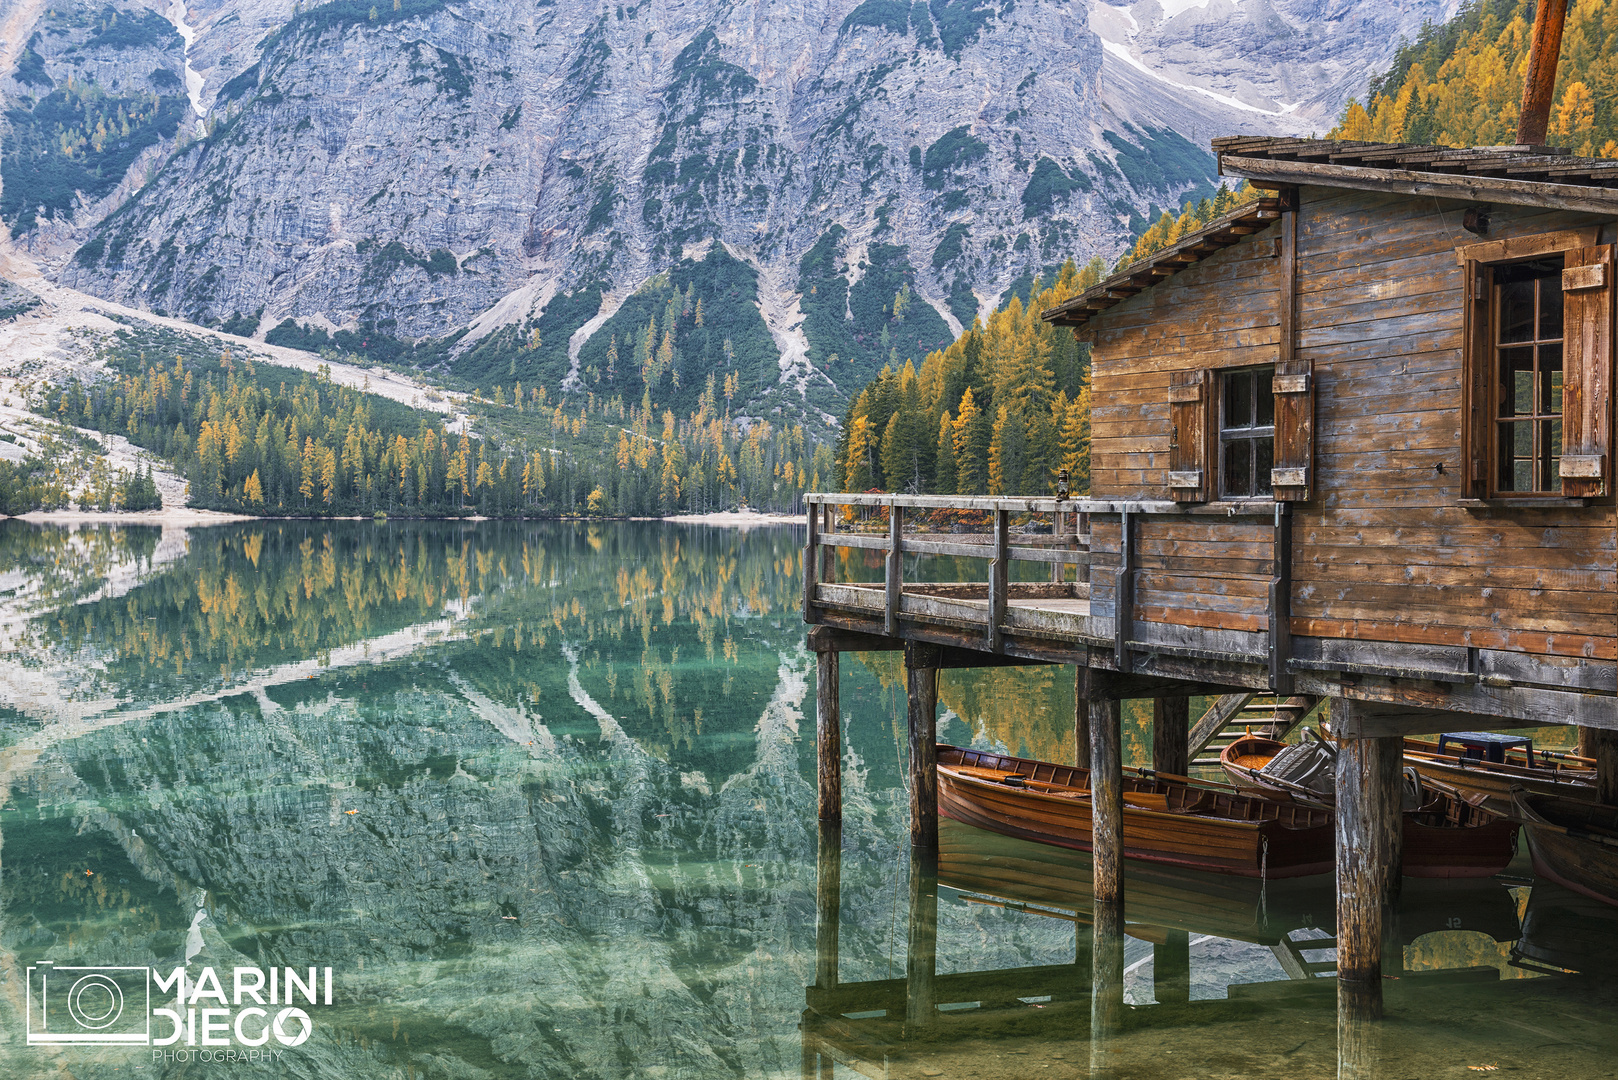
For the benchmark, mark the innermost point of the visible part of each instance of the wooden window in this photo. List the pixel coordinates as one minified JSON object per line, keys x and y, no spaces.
{"x":1526,"y":346}
{"x":1246,"y":433}
{"x":1539,"y":358}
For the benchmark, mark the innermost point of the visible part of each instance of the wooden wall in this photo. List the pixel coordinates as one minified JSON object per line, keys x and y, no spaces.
{"x":1384,"y":550}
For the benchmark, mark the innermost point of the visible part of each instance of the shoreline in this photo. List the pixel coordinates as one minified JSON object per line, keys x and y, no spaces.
{"x":731,"y":519}
{"x":176,"y":516}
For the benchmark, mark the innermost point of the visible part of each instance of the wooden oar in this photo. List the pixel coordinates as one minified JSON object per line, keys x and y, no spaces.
{"x":1309,"y":794}
{"x":1176,"y":778}
{"x":1576,"y":833}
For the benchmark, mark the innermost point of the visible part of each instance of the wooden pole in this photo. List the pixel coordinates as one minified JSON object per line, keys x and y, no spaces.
{"x":1106,"y":985}
{"x":1081,"y":716}
{"x":1539,"y":87}
{"x":1369,"y":829}
{"x":1601,"y":744}
{"x":1171,"y":733}
{"x":828,"y":735}
{"x":1106,"y":794}
{"x":1171,"y":968}
{"x":828,"y":903}
{"x":921,"y":967}
{"x":921,"y":676}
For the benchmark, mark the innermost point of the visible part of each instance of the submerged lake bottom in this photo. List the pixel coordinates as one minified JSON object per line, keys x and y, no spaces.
{"x":541,"y":799}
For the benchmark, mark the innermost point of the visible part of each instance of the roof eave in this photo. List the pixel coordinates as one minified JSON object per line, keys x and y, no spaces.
{"x":1461,"y":186}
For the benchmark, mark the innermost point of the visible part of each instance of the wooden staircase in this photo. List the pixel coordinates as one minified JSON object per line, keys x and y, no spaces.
{"x":1233,"y":715}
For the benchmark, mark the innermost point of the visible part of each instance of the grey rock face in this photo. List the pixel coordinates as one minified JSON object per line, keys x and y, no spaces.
{"x":406,"y":169}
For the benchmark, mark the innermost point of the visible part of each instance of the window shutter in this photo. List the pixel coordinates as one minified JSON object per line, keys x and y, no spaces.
{"x":1587,"y":292}
{"x":1476,"y":415}
{"x":1293,"y":475}
{"x":1190,"y":398}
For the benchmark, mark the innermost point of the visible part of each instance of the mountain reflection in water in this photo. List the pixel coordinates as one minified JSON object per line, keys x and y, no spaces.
{"x":542,"y":795}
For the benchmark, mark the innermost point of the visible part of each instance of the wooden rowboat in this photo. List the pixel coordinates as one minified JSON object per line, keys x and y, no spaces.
{"x":1202,"y":828}
{"x":1490,"y":783}
{"x":1574,"y":844}
{"x":1164,"y":821}
{"x":1482,"y":783}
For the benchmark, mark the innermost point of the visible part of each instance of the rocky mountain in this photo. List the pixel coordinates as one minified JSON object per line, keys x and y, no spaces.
{"x":844,"y":183}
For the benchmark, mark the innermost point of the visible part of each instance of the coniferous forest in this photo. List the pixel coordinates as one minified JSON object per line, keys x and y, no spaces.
{"x":998,"y":411}
{"x":251,"y":439}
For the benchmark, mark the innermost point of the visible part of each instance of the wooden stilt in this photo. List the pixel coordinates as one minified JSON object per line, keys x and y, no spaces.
{"x":1171,"y":968}
{"x":1368,"y":836}
{"x":921,"y":968}
{"x":1106,"y":794}
{"x":1171,"y":731}
{"x":1601,"y":744}
{"x":1081,"y":715}
{"x":828,"y":903}
{"x":921,"y":676}
{"x":1106,"y":984}
{"x":828,"y":736}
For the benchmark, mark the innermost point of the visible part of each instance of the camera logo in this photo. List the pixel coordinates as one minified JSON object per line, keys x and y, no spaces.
{"x":80,"y":1005}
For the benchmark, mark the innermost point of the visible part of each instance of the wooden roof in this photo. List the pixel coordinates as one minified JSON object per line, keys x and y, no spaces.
{"x":1516,"y":175}
{"x":1519,"y":175}
{"x":1220,"y":233}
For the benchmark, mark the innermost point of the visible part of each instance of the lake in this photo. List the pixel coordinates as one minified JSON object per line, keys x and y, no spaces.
{"x":541,"y":798}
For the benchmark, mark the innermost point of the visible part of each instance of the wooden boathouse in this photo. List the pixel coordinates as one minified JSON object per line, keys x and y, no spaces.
{"x":1352,"y":442}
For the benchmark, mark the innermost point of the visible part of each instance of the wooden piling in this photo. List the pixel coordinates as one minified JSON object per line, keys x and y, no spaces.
{"x":1081,"y":715}
{"x":921,"y":677}
{"x":828,"y":903}
{"x":1171,"y":968}
{"x":1369,"y":829}
{"x":1106,"y":793}
{"x":828,"y":735}
{"x":1171,"y":730}
{"x":1106,"y":985}
{"x":1602,"y":744}
{"x":921,"y":965}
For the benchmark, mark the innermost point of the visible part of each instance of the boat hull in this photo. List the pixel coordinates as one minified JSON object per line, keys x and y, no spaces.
{"x":1245,"y":835}
{"x":1198,"y":842}
{"x":1585,"y":866}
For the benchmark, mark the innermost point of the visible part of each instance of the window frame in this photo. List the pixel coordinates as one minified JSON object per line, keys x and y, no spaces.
{"x":1543,"y":452}
{"x":1588,"y":325}
{"x":1263,"y":382}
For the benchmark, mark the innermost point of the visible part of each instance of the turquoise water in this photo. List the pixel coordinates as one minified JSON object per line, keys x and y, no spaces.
{"x":541,"y":798}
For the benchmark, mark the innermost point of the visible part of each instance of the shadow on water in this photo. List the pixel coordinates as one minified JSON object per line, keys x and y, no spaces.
{"x":540,"y":795}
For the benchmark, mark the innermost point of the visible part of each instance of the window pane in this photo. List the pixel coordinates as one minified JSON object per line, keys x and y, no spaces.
{"x":1264,"y":393}
{"x":1263,"y":462}
{"x":1239,"y":399}
{"x":1517,"y":471}
{"x":1517,"y":382}
{"x":1517,"y":311}
{"x":1238,"y":467}
{"x":1550,"y":379}
{"x":1550,"y":308}
{"x":1550,"y":452}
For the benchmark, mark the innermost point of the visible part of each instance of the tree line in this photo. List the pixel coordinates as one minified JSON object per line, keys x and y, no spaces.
{"x":1000,"y":410}
{"x":251,"y":444}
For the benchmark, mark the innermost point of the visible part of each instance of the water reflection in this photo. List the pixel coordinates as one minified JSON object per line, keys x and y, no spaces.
{"x":541,"y":794}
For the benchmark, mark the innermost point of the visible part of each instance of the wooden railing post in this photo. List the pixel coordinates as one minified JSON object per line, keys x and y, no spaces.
{"x":811,"y":562}
{"x":895,"y":571}
{"x":828,"y":555}
{"x":999,"y":578}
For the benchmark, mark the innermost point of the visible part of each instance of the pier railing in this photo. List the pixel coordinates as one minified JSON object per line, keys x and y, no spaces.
{"x":1165,"y":579}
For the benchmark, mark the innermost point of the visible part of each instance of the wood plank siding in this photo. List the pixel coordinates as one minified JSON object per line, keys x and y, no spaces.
{"x":1387,"y":546}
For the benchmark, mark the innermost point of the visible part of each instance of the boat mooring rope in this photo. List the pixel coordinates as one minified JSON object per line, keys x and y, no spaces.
{"x":1264,"y":881}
